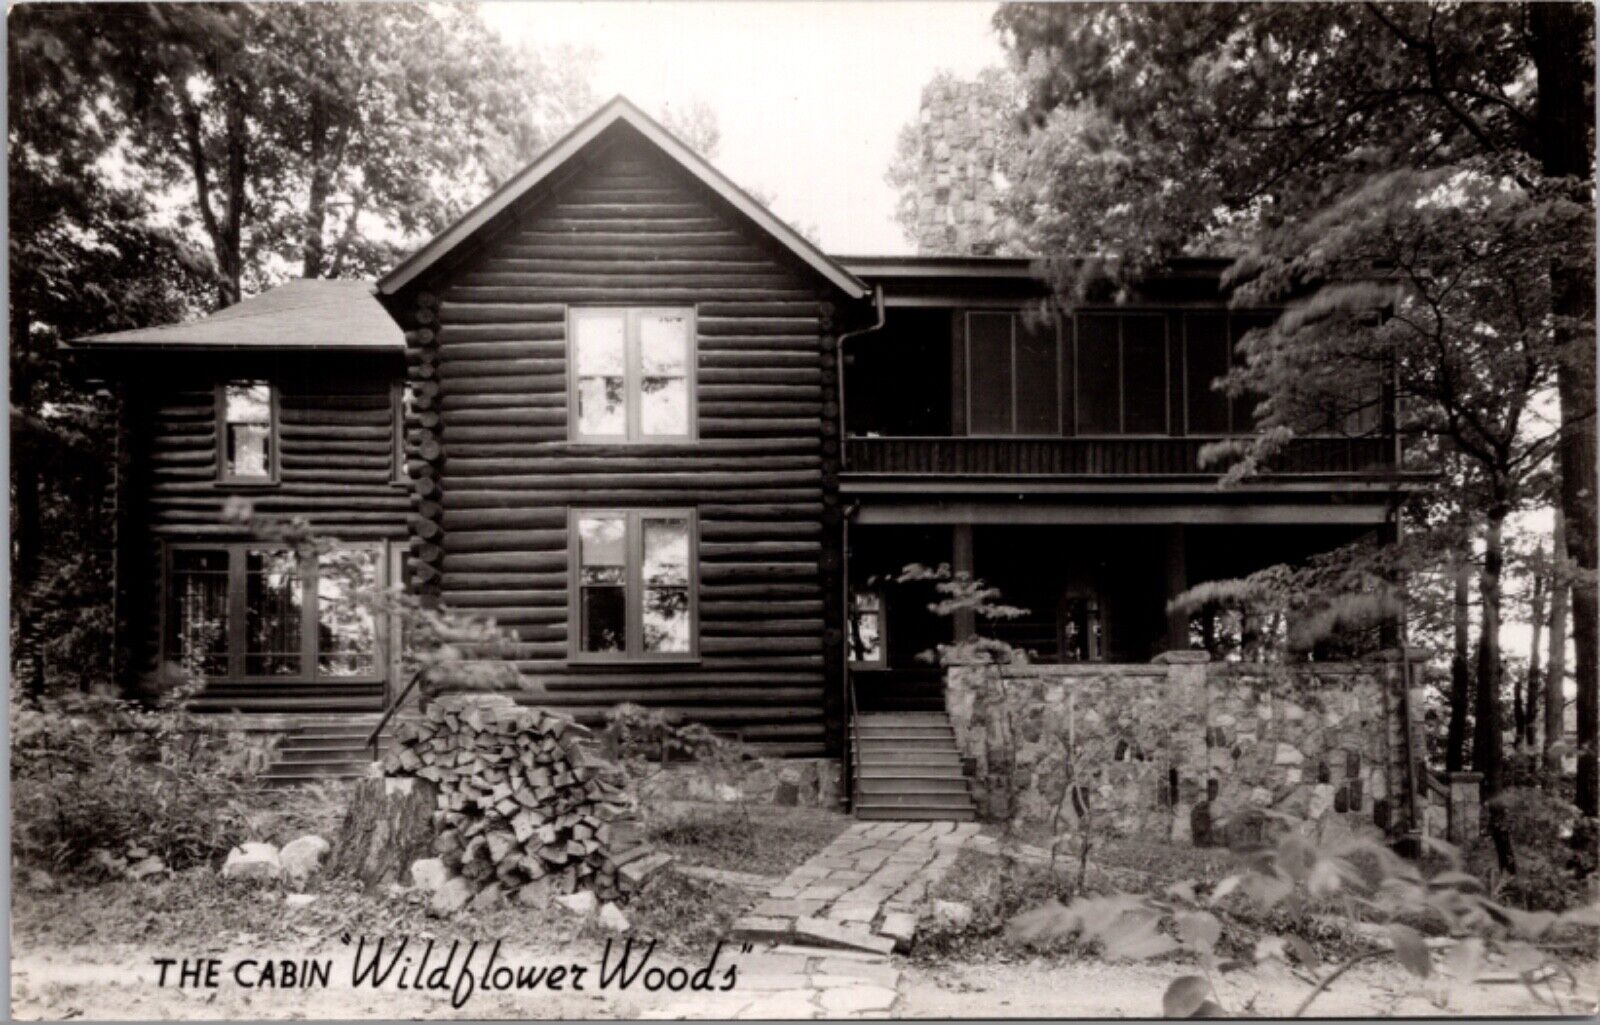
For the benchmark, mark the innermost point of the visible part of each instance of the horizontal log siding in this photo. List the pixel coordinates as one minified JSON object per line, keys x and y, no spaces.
{"x":631,"y":231}
{"x":335,"y":436}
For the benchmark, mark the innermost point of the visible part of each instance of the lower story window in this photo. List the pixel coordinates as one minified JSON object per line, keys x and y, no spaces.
{"x":260,"y":612}
{"x":633,"y":583}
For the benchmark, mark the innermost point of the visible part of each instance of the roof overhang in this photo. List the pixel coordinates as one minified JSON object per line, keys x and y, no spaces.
{"x":299,"y":315}
{"x":550,"y":162}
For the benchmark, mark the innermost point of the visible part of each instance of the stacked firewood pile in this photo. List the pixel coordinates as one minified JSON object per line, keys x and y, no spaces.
{"x":524,"y":801}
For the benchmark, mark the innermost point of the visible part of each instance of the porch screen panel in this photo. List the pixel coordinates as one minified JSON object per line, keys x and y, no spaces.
{"x":1205,"y":359}
{"x":1144,"y":375}
{"x":1038,"y":394}
{"x":1099,"y":370}
{"x":1244,"y":407}
{"x":990,"y":371}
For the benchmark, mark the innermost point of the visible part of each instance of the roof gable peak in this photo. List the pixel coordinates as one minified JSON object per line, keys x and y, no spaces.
{"x":618,"y":109}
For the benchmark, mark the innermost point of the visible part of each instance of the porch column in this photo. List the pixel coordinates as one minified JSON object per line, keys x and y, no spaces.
{"x":961,"y":561}
{"x":1177,"y":582}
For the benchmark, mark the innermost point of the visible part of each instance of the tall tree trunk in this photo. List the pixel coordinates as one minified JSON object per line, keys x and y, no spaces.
{"x":1455,"y":752}
{"x":1487,"y":742}
{"x":1561,"y":43}
{"x":1530,"y":717}
{"x":1555,"y":693}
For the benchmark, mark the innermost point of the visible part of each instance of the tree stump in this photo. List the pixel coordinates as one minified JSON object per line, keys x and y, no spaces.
{"x":388,"y":825}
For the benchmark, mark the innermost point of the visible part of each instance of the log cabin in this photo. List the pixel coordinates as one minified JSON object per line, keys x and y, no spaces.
{"x":627,"y":412}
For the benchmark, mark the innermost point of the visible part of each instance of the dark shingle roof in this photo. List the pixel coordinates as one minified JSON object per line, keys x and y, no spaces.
{"x":303,"y":313}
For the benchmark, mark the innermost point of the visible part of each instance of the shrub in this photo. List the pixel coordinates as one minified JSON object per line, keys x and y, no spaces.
{"x":98,"y":782}
{"x":1555,"y":853}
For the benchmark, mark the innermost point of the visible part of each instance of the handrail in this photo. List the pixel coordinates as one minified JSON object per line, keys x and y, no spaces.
{"x":388,"y":713}
{"x":850,"y":756}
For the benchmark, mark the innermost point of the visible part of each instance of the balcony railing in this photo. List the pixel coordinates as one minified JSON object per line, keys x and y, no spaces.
{"x":1109,"y":456}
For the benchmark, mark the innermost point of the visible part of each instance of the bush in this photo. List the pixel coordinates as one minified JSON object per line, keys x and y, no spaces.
{"x":99,"y":782}
{"x":1555,"y":851}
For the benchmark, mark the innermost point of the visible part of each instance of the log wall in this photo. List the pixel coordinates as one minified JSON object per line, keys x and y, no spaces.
{"x":497,"y":473}
{"x":336,"y":443}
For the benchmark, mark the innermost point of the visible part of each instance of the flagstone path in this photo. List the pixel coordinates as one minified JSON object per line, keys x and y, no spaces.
{"x":827,"y":930}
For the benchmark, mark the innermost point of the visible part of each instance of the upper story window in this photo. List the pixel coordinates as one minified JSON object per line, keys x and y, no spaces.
{"x":632,"y":374}
{"x":634,"y":574}
{"x":248,"y":412}
{"x":1014,"y":373}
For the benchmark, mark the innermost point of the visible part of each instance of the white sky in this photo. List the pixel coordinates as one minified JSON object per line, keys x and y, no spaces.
{"x":810,"y":96}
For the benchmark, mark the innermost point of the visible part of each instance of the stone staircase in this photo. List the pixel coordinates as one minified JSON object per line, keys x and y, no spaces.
{"x":907,"y":767}
{"x":325,"y":747}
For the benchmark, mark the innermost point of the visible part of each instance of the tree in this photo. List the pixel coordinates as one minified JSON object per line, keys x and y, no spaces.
{"x":1160,"y":129}
{"x":326,"y":136}
{"x":83,"y":259}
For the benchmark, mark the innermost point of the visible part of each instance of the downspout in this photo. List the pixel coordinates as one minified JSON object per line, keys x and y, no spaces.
{"x":847,"y":784}
{"x":877,"y":301}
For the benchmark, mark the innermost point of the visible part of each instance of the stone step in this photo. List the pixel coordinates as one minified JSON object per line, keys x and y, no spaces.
{"x":873,"y":787}
{"x":902,"y":771}
{"x":316,"y":742}
{"x":317,"y":766}
{"x":877,"y":754}
{"x":954,"y":799}
{"x":904,"y":813}
{"x":908,"y":743}
{"x":902,"y":718}
{"x":893,"y":733}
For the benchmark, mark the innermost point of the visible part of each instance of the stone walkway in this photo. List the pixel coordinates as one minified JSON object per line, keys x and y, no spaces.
{"x":827,"y":930}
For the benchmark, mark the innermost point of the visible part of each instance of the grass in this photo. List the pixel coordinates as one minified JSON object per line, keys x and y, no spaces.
{"x":685,"y":915}
{"x":762,"y":840}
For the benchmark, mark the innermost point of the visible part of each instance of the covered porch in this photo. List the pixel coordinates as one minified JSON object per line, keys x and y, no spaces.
{"x":1095,"y":588}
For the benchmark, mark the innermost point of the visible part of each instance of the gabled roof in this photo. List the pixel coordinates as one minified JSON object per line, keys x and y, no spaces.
{"x":573,"y":143}
{"x":302,"y":313}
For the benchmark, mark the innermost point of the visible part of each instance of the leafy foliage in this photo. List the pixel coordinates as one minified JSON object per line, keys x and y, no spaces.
{"x":99,"y":782}
{"x":321,"y":134}
{"x":1365,"y":876}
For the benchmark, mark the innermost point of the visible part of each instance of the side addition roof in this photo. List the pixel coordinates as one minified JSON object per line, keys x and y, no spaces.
{"x":573,"y":143}
{"x":303,"y":313}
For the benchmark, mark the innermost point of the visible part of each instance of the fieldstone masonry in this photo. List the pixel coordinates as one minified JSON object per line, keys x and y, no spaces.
{"x":1186,"y":749}
{"x":791,"y":782}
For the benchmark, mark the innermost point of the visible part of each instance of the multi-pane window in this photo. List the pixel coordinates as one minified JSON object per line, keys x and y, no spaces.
{"x":1013,"y":368}
{"x":632,"y":374}
{"x":253,"y":611}
{"x":247,"y":440}
{"x":633,"y":585}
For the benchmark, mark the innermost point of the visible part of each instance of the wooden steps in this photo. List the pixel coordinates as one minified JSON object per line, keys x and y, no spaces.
{"x":325,"y":747}
{"x":907,"y":767}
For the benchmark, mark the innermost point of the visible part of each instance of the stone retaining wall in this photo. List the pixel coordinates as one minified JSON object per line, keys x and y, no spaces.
{"x":794,"y":782}
{"x":1185,"y":749}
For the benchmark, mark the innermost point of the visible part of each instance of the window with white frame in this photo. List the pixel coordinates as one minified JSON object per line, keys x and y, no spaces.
{"x":256,"y":611}
{"x":633,"y":584}
{"x":632,"y":374}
